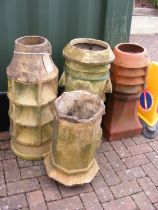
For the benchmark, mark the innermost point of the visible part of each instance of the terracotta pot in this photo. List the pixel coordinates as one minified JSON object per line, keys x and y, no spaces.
{"x":87,"y":63}
{"x":130,"y":90}
{"x":32,"y":89}
{"x":77,"y":131}
{"x":128,"y":75}
{"x":129,"y":68}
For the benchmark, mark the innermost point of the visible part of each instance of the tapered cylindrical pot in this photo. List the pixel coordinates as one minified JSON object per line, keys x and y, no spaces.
{"x":87,"y":63}
{"x":32,"y":89}
{"x":128,"y":75}
{"x":77,"y":130}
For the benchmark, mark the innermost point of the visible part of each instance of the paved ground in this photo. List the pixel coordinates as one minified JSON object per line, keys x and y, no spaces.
{"x":128,"y":177}
{"x":150,"y":42}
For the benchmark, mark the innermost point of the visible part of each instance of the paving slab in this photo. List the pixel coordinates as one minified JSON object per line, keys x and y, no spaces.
{"x":128,"y":179}
{"x":150,"y":42}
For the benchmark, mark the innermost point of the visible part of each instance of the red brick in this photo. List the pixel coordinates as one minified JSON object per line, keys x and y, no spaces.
{"x":149,"y":189}
{"x":98,"y":173}
{"x":140,"y":149}
{"x":156,"y":206}
{"x":24,"y":163}
{"x":125,"y":189}
{"x":140,"y":139}
{"x":120,"y":149}
{"x":115,"y":161}
{"x":121,"y":203}
{"x":104,"y":147}
{"x":90,"y":201}
{"x":3,"y":191}
{"x":9,"y":154}
{"x":74,"y":190}
{"x":151,"y":172}
{"x":101,"y":160}
{"x":71,"y":203}
{"x":137,"y":160}
{"x":132,"y":173}
{"x":1,"y":166}
{"x":34,"y":171}
{"x":4,"y":136}
{"x":50,"y":189}
{"x":13,"y":202}
{"x":45,"y":180}
{"x":154,"y":145}
{"x":23,"y":186}
{"x":4,"y":145}
{"x":107,"y":171}
{"x":2,"y":155}
{"x":36,"y":200}
{"x":25,"y":208}
{"x":101,"y":189}
{"x":142,"y":201}
{"x":109,"y":175}
{"x":38,"y":162}
{"x":11,"y":170}
{"x":128,"y":142}
{"x":1,"y":171}
{"x":51,"y":192}
{"x":153,"y":157}
{"x":1,"y":176}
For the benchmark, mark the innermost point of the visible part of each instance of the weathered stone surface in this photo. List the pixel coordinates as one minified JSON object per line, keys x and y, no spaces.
{"x":87,"y":66}
{"x":32,"y":88}
{"x":78,"y":116}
